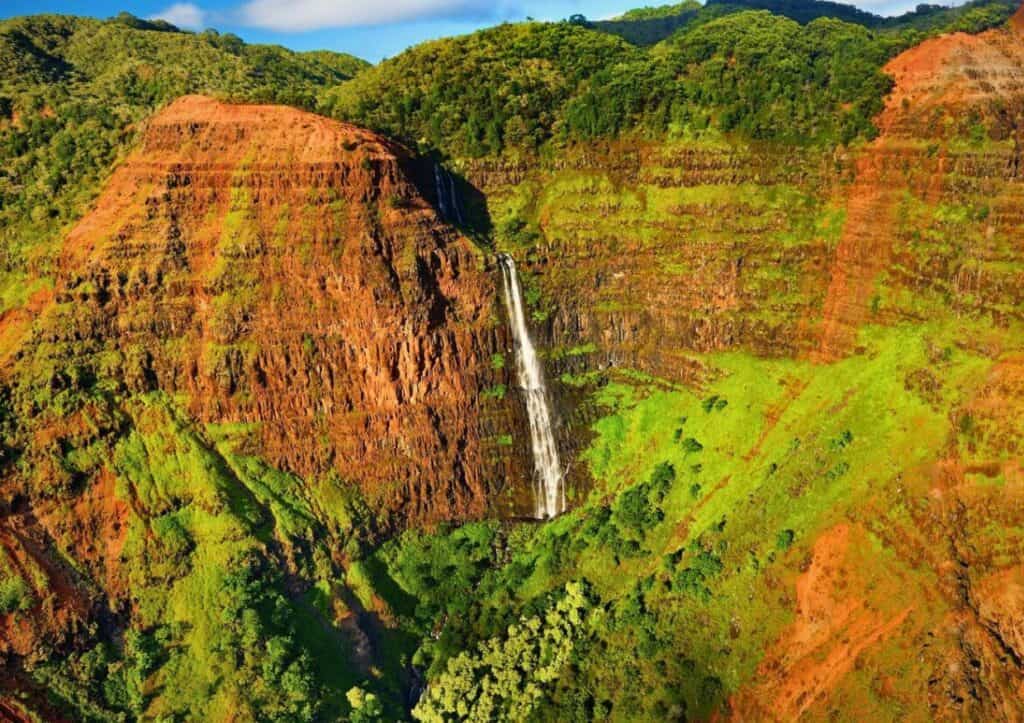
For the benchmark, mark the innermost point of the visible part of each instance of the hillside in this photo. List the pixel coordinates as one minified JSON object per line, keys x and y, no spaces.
{"x":268,"y":448}
{"x":255,"y":290}
{"x":651,"y":25}
{"x":734,"y":70}
{"x":71,"y":93}
{"x":805,"y":371}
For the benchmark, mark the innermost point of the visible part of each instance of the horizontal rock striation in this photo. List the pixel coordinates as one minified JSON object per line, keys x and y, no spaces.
{"x":651,"y":252}
{"x":934,"y":212}
{"x":283,"y":271}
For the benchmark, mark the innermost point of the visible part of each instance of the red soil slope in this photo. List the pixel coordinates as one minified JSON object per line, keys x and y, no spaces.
{"x":858,"y":625}
{"x":940,"y":85}
{"x":835,"y":624}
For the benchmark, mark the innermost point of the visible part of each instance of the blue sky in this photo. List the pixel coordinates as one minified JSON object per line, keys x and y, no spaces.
{"x":371,"y":29}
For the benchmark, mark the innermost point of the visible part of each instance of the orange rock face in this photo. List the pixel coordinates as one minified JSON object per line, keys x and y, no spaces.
{"x":894,"y":255}
{"x":282,"y":270}
{"x":945,"y":87}
{"x":836,"y":622}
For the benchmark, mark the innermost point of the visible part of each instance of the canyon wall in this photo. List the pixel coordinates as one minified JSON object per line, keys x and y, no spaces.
{"x":675,"y":260}
{"x":650,"y":251}
{"x":264,"y":352}
{"x":281,"y":271}
{"x":271,"y":277}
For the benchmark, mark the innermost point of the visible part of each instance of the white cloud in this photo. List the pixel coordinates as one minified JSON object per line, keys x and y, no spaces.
{"x":184,"y":15}
{"x":299,"y":15}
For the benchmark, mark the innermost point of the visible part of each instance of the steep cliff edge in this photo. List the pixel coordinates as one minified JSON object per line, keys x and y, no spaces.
{"x":263,"y":350}
{"x":282,"y":271}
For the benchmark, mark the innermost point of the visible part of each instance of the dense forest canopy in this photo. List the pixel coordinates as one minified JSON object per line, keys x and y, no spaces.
{"x":727,"y":69}
{"x":662,"y":11}
{"x":500,"y":88}
{"x":756,"y":73}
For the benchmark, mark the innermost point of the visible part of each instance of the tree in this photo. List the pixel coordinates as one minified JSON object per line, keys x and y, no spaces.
{"x":365,"y":706}
{"x":507,"y":677}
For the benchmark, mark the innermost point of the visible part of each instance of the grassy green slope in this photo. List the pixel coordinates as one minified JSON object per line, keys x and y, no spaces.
{"x":708,"y":504}
{"x":236,"y":594}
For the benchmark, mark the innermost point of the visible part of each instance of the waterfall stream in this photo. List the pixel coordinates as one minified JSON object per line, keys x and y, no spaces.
{"x":447,"y":196}
{"x":549,"y":490}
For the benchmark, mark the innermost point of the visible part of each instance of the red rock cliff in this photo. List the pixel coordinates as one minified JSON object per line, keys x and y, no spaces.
{"x":951,"y":137}
{"x":282,"y":270}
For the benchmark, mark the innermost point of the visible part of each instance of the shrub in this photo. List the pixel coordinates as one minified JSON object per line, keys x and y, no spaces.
{"x":784,"y":540}
{"x":692,"y":446}
{"x":15,"y":595}
{"x":637,"y":508}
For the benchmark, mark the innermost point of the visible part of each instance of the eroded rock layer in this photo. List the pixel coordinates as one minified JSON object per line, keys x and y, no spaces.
{"x":696,"y":262}
{"x":282,"y":270}
{"x":648,"y":252}
{"x":934,"y":212}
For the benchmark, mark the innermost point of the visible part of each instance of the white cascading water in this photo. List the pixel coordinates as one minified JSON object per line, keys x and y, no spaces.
{"x":442,"y":192}
{"x":447,"y":197}
{"x":549,"y":490}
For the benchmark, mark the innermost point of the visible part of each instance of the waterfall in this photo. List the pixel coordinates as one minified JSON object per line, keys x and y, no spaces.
{"x":454,"y":199}
{"x":549,"y":492}
{"x":447,"y":197}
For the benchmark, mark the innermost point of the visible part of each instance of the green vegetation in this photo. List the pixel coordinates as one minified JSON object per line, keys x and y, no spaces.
{"x":433,"y":95}
{"x":225,"y":636}
{"x":251,"y":593}
{"x":727,"y":69}
{"x":758,"y":74}
{"x":973,"y":16}
{"x":213,"y":538}
{"x":661,"y":11}
{"x":506,"y":678}
{"x":671,"y":586}
{"x":15,"y":595}
{"x":365,"y":706}
{"x":650,"y":25}
{"x":71,"y":93}
{"x":498,"y":392}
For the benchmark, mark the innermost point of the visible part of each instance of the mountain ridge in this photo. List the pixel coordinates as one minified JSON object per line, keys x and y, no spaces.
{"x":264,"y":455}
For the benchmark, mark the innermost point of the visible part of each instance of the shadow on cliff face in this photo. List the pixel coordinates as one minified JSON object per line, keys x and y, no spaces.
{"x":457,"y":200}
{"x":464,"y":206}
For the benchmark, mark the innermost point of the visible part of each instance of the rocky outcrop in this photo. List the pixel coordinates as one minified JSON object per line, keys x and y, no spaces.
{"x":281,"y":270}
{"x":649,"y":252}
{"x":835,"y":624}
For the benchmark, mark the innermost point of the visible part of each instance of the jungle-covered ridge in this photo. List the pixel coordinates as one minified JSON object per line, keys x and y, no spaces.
{"x":770,"y":252}
{"x":788,"y":71}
